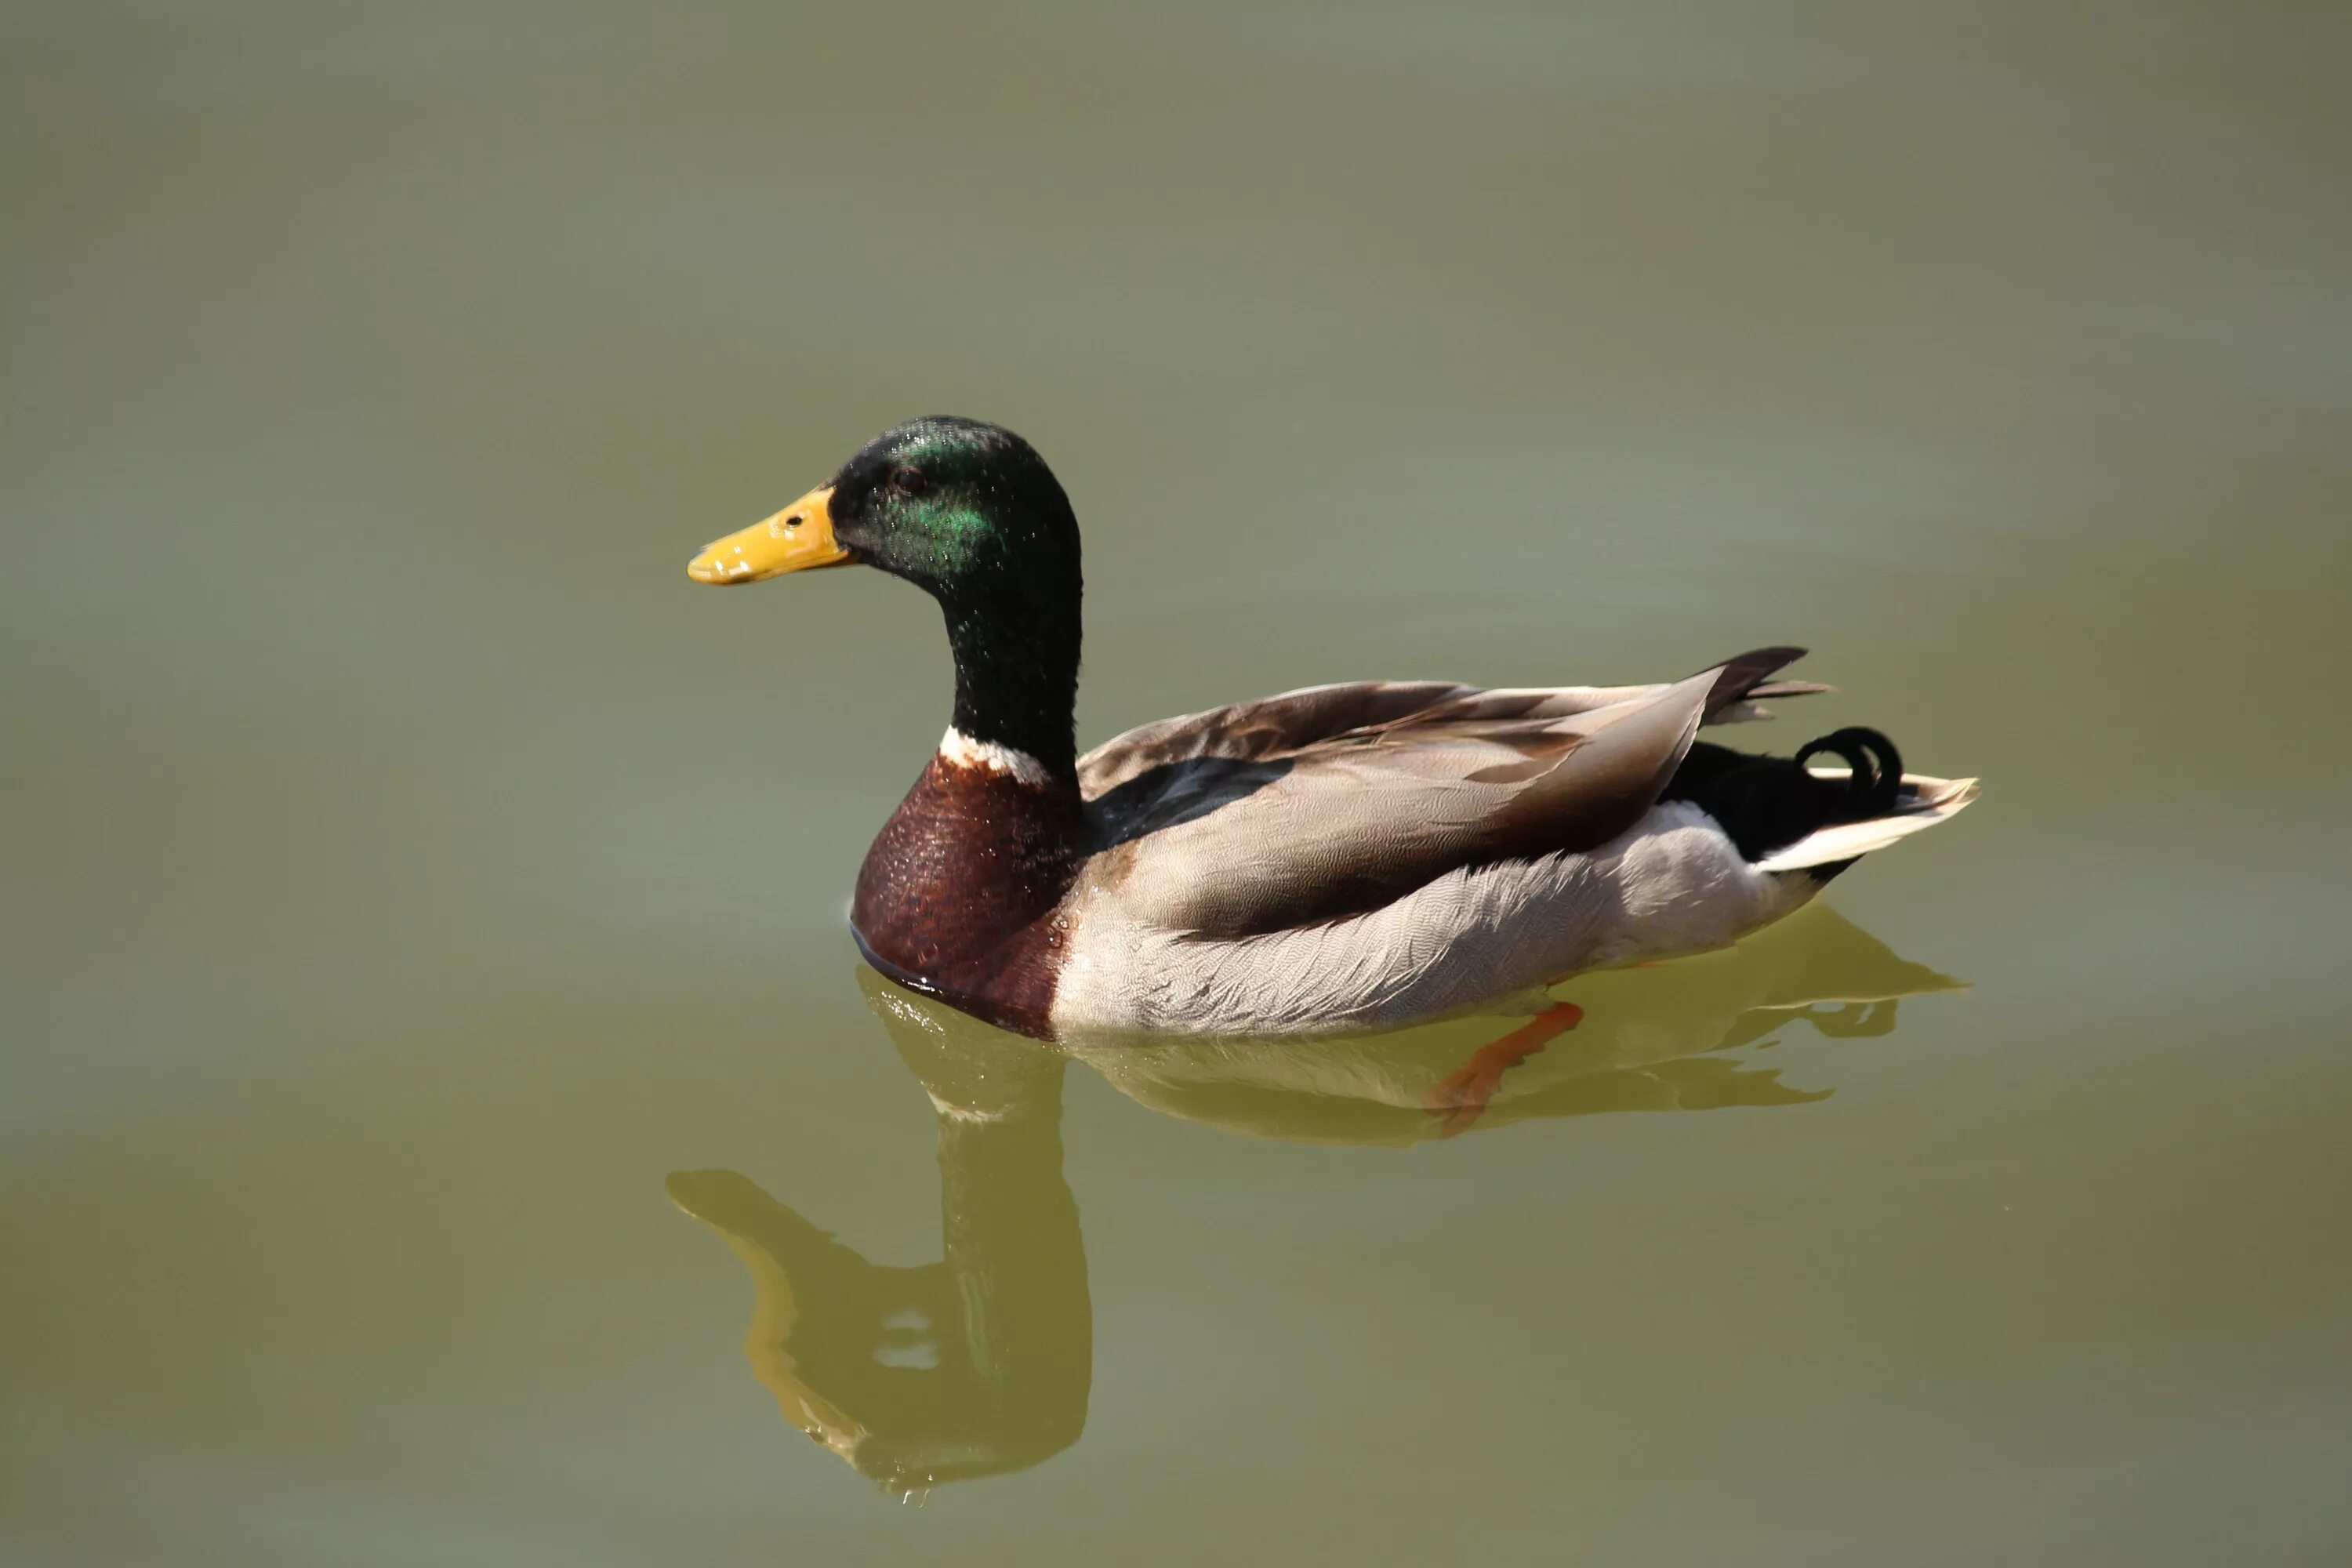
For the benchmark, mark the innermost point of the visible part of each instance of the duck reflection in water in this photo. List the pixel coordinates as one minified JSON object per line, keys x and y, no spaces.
{"x":971,"y":1366}
{"x":981,"y":1363}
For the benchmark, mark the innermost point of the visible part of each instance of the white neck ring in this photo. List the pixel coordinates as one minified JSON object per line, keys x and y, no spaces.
{"x":962,"y":751}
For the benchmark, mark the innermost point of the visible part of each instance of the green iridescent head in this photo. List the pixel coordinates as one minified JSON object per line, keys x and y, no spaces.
{"x":963,"y":510}
{"x":971,"y":515}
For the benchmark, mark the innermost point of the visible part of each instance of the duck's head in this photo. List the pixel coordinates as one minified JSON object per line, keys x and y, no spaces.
{"x":960,"y":509}
{"x":970,"y":513}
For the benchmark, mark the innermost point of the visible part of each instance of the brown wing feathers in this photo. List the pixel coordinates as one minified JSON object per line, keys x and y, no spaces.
{"x":1741,"y":678}
{"x":1347,"y":797}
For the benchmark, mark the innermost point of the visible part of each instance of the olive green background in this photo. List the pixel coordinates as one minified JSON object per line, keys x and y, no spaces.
{"x":404,"y":868}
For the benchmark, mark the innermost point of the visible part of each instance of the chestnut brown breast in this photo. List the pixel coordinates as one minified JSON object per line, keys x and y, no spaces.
{"x":958,"y":893}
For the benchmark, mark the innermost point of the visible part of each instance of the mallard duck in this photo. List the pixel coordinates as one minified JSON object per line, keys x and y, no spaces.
{"x":1339,"y":858}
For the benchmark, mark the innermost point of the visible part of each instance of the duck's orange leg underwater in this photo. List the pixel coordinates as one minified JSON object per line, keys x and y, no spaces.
{"x":1462,"y":1095}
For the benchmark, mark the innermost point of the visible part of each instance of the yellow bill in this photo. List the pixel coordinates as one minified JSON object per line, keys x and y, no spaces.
{"x":796,"y":539}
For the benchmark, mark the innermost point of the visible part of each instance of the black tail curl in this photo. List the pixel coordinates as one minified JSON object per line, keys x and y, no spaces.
{"x":1766,"y":803}
{"x":1877,"y":766}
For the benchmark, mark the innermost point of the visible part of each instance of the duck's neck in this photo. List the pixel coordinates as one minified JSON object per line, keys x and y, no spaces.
{"x":1017,"y":688}
{"x":958,"y":894}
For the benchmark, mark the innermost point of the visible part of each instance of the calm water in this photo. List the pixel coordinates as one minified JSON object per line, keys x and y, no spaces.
{"x":430,"y":1037}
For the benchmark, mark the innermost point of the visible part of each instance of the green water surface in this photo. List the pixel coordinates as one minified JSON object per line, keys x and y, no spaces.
{"x":428,"y":1032}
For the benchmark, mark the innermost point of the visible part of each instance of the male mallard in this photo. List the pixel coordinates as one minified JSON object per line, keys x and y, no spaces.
{"x":1337,"y":858}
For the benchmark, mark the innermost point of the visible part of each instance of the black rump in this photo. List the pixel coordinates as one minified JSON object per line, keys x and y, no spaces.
{"x":1769,"y":803}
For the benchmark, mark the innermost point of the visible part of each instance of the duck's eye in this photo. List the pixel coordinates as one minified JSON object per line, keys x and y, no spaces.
{"x":906,"y":482}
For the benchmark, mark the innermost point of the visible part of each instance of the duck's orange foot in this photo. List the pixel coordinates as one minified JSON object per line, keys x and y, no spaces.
{"x":1462,"y":1095}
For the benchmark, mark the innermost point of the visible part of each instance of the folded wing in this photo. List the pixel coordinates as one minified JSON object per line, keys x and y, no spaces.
{"x":1320,"y":803}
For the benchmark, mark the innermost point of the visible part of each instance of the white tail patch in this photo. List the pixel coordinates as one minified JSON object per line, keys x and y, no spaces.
{"x":1935,"y":800}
